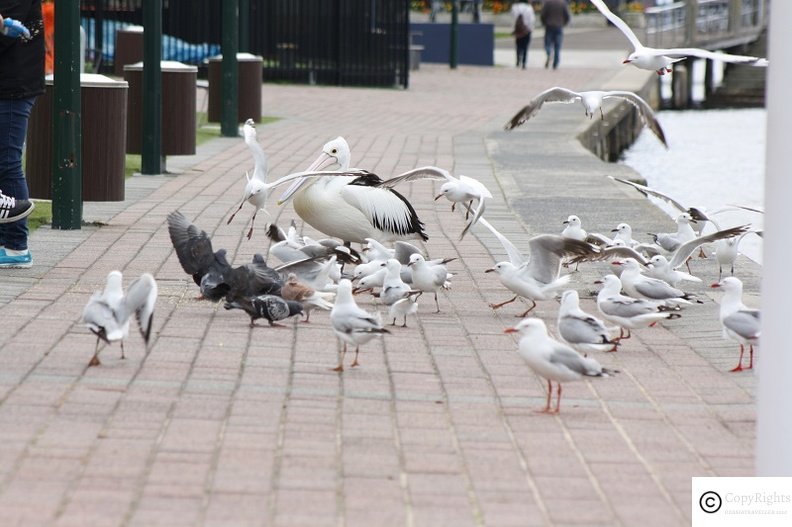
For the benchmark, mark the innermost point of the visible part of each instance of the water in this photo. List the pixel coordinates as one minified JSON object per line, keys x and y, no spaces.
{"x":715,"y":158}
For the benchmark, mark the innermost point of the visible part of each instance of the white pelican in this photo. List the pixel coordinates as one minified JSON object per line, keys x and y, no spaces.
{"x":660,"y":60}
{"x":353,"y":204}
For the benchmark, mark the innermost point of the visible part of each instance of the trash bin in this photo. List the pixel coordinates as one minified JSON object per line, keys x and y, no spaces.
{"x":251,"y":69}
{"x":103,"y":120}
{"x":178,"y":108}
{"x":128,"y":48}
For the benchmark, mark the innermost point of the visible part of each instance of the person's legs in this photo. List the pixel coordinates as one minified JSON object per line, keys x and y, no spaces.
{"x":548,"y":44}
{"x":558,"y":39}
{"x":14,"y":114}
{"x":522,"y":50}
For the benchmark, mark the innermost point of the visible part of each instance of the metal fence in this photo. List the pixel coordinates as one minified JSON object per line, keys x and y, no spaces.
{"x":340,"y":42}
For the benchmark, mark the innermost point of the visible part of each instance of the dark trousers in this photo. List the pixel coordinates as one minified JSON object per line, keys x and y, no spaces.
{"x":522,"y":50}
{"x":554,"y":36}
{"x":14,"y":114}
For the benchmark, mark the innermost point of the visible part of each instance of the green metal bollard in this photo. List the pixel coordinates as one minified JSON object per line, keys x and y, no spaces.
{"x":229,"y":123}
{"x":151,"y":161}
{"x":66,"y":122}
{"x":244,"y":25}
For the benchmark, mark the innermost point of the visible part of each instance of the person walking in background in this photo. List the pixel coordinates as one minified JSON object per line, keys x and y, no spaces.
{"x":21,"y":81}
{"x":524,"y":21}
{"x":554,"y":16}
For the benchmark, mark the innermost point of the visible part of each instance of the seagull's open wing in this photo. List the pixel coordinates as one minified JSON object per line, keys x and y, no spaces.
{"x":427,"y":172}
{"x":644,"y":110}
{"x":606,"y":253}
{"x":140,"y":299}
{"x":532,"y":108}
{"x":684,"y":251}
{"x":514,"y":254}
{"x":546,"y":251}
{"x":646,"y":191}
{"x":707,"y":54}
{"x":746,"y":207}
{"x":618,"y":22}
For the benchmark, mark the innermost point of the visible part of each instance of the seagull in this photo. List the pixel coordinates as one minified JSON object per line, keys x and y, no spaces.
{"x":660,"y":60}
{"x":637,"y":285}
{"x":726,"y":251}
{"x":626,"y":311}
{"x":670,"y":241}
{"x":256,"y":189}
{"x":582,"y":331}
{"x":660,"y":268}
{"x":211,"y":271}
{"x":107,"y":314}
{"x":592,"y":102}
{"x":393,"y":287}
{"x":537,"y":276}
{"x":739,"y":323}
{"x":553,"y":360}
{"x":289,"y":247}
{"x":310,"y":298}
{"x":403,"y":307}
{"x":428,"y":278}
{"x":574,"y":229}
{"x":351,"y":324}
{"x":675,"y":260}
{"x":353,"y":204}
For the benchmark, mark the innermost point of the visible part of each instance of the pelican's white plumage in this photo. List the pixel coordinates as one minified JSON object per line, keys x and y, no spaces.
{"x":351,"y":204}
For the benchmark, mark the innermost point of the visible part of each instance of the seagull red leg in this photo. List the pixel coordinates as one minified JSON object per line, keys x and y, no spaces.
{"x":498,"y":306}
{"x":739,"y":363}
{"x":340,"y":366}
{"x":525,"y":313}
{"x":558,"y":398}
{"x":355,"y":362}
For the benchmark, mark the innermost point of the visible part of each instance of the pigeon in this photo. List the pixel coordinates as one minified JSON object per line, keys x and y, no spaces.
{"x":552,"y":359}
{"x":107,"y":314}
{"x":270,"y":307}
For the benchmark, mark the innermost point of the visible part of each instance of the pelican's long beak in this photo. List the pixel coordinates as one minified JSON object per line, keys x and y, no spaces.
{"x":323,"y":161}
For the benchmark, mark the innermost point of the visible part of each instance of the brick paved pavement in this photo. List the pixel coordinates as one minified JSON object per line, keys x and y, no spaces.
{"x":221,"y":424}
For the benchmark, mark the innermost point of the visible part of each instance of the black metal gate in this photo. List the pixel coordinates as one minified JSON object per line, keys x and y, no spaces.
{"x":339,"y":42}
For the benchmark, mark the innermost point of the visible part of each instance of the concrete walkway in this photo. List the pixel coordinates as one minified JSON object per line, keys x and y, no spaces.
{"x":221,"y":424}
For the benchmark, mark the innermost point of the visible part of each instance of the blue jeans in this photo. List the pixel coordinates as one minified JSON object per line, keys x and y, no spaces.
{"x":14,"y":114}
{"x":552,"y":41}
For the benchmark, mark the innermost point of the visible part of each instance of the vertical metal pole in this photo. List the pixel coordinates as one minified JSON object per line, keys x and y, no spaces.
{"x":244,"y":25}
{"x":229,"y":120}
{"x":453,"y":58}
{"x":151,"y":161}
{"x":66,"y":123}
{"x":773,"y":426}
{"x":99,"y":30}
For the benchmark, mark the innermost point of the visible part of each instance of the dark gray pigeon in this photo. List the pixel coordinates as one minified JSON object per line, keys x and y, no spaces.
{"x":270,"y":307}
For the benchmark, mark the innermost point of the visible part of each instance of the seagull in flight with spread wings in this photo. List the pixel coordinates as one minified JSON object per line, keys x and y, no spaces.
{"x":661,"y":59}
{"x":592,"y":102}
